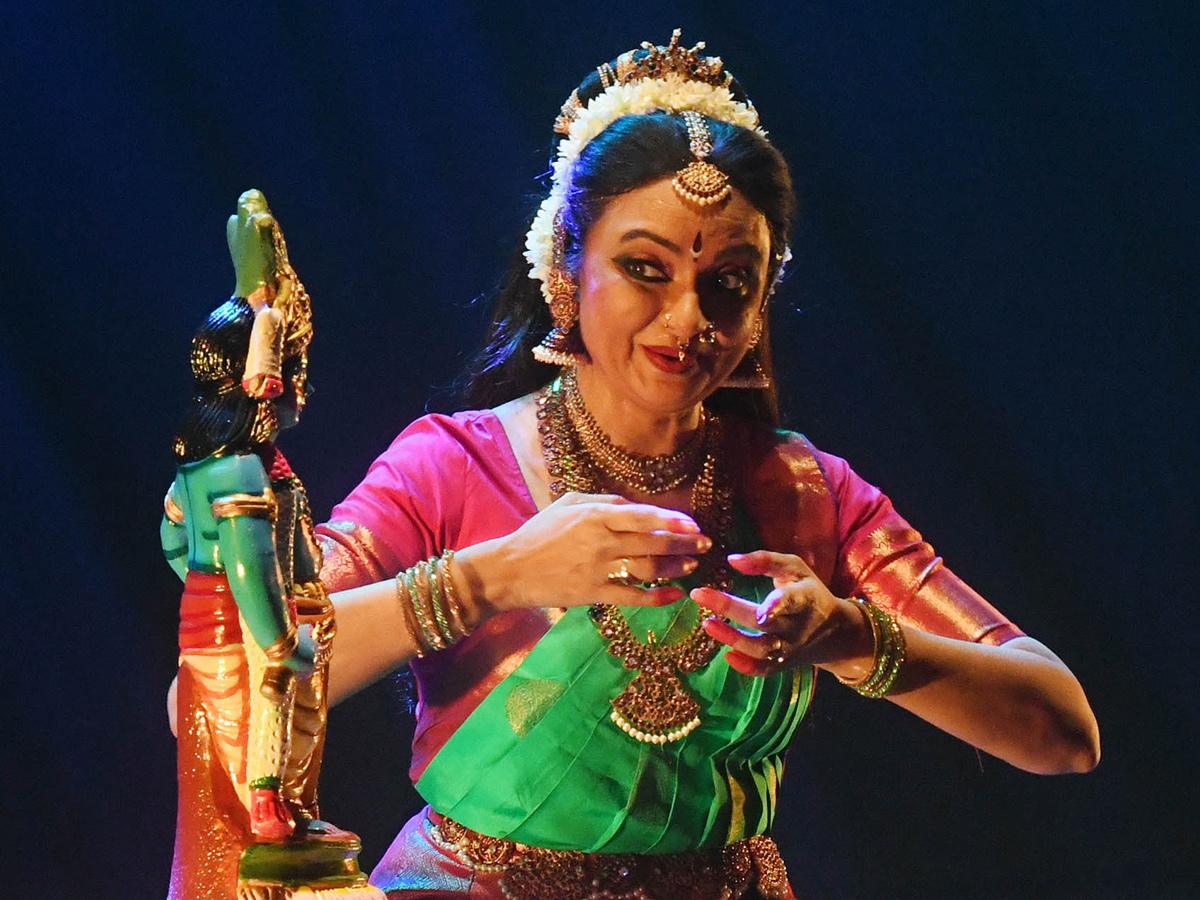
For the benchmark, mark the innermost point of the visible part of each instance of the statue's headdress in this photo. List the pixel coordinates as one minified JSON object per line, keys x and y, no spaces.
{"x":223,"y":415}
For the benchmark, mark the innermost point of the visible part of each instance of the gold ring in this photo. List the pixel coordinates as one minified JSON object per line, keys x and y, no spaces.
{"x":776,"y":654}
{"x":622,"y":576}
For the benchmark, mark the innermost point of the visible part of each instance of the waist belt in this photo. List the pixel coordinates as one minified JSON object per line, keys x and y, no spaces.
{"x":534,"y":873}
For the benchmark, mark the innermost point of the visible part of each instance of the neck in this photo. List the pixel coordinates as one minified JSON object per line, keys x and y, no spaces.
{"x":631,"y":426}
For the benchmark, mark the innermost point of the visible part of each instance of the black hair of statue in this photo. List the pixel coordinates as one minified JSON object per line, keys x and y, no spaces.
{"x":221,"y":415}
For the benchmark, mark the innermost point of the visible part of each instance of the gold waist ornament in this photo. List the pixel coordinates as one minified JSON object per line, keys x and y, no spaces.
{"x":534,"y":873}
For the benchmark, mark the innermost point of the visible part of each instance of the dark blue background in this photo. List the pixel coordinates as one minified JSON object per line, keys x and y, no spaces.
{"x":992,"y":313}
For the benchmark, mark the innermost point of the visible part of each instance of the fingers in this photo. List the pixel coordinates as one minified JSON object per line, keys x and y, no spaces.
{"x":620,"y":514}
{"x":752,"y":654}
{"x":783,"y":567}
{"x":640,"y":517}
{"x":743,"y":612}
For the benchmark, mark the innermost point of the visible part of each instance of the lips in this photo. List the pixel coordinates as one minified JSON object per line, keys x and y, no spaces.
{"x":666,"y":359}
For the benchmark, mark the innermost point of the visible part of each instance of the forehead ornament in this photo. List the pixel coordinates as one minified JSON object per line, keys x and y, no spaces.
{"x":700,"y":182}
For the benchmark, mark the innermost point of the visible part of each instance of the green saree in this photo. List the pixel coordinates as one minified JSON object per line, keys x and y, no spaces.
{"x":540,"y":762}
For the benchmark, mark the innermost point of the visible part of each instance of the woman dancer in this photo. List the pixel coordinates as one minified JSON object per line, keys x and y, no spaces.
{"x":615,"y":580}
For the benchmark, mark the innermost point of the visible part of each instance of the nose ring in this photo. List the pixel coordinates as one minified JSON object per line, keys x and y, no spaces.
{"x":708,"y":336}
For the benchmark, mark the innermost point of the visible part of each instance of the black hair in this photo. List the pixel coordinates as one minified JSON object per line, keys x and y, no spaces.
{"x":630,"y":153}
{"x":221,"y":415}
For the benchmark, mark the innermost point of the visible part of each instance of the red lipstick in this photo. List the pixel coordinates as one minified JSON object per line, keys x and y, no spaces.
{"x":667,"y":359}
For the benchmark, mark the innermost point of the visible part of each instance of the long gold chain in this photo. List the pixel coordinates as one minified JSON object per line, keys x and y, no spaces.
{"x":656,"y":707}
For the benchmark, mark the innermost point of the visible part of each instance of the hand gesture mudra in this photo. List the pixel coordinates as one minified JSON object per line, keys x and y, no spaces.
{"x":798,"y":623}
{"x":600,"y":547}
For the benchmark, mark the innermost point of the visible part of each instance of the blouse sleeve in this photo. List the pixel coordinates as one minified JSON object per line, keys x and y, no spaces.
{"x":883,"y":558}
{"x":404,"y":510}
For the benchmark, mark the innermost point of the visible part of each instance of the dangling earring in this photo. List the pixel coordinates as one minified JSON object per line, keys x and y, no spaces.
{"x":559,"y":348}
{"x":749,"y":374}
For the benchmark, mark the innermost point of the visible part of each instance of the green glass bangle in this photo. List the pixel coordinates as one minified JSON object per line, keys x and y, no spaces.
{"x":890,"y":650}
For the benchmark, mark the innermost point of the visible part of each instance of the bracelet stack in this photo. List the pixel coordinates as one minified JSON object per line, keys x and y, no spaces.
{"x":889,"y":653}
{"x":430,"y":603}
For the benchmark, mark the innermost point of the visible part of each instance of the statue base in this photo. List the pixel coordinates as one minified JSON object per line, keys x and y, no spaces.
{"x":320,"y":863}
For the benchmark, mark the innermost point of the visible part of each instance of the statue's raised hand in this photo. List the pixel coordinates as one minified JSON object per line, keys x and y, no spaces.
{"x":251,"y":238}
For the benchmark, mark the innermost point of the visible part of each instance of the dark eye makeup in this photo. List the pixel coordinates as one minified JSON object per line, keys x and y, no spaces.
{"x":641,"y":269}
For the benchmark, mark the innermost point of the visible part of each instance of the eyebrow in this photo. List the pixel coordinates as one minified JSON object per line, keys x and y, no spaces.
{"x":749,"y":248}
{"x":651,"y":236}
{"x":752,"y":250}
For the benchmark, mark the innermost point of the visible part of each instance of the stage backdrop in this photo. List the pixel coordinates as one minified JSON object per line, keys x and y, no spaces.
{"x":991,"y":312}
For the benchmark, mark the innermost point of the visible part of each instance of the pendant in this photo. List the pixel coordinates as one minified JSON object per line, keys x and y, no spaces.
{"x":656,"y":708}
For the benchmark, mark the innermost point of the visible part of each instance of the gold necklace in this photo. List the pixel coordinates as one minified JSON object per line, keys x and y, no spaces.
{"x":645,"y":474}
{"x":655,"y":707}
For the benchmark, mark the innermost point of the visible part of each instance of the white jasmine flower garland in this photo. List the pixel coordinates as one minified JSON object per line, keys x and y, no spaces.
{"x":671,"y":94}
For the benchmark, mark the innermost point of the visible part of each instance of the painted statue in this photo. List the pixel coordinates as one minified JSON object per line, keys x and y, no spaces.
{"x":256,"y":625}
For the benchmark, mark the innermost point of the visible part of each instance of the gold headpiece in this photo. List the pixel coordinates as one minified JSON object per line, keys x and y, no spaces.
{"x":656,"y":62}
{"x":292,"y":300}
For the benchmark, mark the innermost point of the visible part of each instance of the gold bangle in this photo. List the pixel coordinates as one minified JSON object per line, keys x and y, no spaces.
{"x":429,"y":602}
{"x":258,"y":506}
{"x":283,"y":648}
{"x":452,"y":601}
{"x":418,"y":588}
{"x":436,"y":602}
{"x":414,"y":597}
{"x":171,"y":509}
{"x":410,"y":615}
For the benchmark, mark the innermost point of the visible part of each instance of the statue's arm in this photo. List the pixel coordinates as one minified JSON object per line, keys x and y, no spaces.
{"x":243,"y":507}
{"x":173,"y":535}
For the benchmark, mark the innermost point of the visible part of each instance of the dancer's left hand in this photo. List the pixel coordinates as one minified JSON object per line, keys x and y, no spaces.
{"x":798,"y":623}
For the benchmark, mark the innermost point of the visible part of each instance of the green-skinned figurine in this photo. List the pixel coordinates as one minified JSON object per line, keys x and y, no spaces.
{"x":256,"y":624}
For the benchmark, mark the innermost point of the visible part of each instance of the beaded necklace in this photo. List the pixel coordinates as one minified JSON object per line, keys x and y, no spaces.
{"x":655,"y":708}
{"x":645,"y":474}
